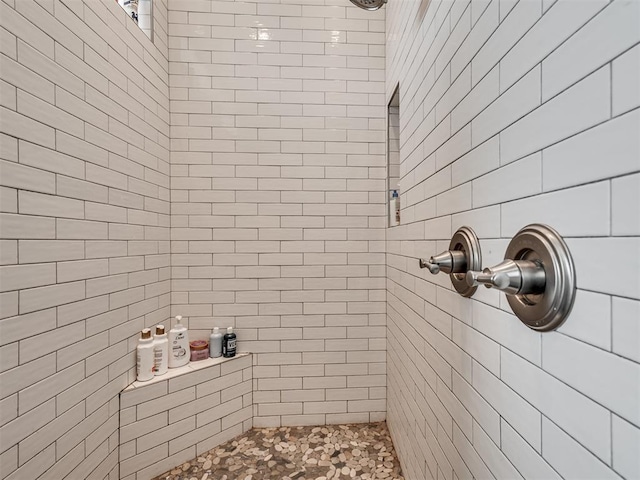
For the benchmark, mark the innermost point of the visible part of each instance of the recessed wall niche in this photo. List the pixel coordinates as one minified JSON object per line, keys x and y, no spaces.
{"x":393,"y":153}
{"x":140,"y":12}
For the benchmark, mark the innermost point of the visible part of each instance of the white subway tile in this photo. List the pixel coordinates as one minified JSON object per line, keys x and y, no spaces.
{"x":481,"y":31}
{"x":528,"y":462}
{"x":513,"y":408}
{"x":569,"y":458}
{"x":613,"y":140}
{"x":561,"y":208}
{"x":625,"y":78}
{"x":518,"y":21}
{"x":626,"y":442}
{"x":505,"y":329}
{"x":625,"y":208}
{"x":17,"y":277}
{"x":612,"y":381}
{"x":530,"y":167}
{"x":492,"y":455}
{"x":49,"y":205}
{"x":588,"y":50}
{"x":21,"y":126}
{"x":626,"y":338}
{"x":584,"y":419}
{"x":590,"y":319}
{"x":590,"y":276}
{"x":584,"y":105}
{"x":554,"y":27}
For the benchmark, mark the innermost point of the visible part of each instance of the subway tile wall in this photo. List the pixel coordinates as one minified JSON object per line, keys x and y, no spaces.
{"x":84,"y":200}
{"x":278,"y":197}
{"x":278,"y":220}
{"x":184,"y":414}
{"x":515,"y":112}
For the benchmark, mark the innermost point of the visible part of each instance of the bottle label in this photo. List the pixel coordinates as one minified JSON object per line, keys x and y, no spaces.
{"x":157,"y":358}
{"x":178,"y":352}
{"x":229,"y":347}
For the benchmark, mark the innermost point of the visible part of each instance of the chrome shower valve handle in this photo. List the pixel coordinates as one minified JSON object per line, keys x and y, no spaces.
{"x":463,"y":255}
{"x":434,"y":268}
{"x":451,"y":261}
{"x":537,"y":275}
{"x":513,"y":277}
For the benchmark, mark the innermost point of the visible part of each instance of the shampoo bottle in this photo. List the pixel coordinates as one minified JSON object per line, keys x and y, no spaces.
{"x":144,"y":357}
{"x":160,"y":351}
{"x":179,"y":352}
{"x":215,"y":343}
{"x":229,"y":343}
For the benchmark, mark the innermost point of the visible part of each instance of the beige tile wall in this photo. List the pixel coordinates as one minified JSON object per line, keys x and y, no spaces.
{"x":515,"y":112}
{"x":176,"y":417}
{"x":278,"y":218}
{"x":278,"y":197}
{"x":84,"y":221}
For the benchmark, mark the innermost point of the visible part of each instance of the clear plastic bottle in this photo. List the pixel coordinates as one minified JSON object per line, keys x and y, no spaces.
{"x":144,"y":356}
{"x":160,"y":351}
{"x":215,"y":343}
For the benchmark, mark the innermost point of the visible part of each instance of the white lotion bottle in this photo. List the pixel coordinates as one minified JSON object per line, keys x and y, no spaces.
{"x":160,"y":351}
{"x":144,"y":357}
{"x":215,"y":343}
{"x":179,"y":351}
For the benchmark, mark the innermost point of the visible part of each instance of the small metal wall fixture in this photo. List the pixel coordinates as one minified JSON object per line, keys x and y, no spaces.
{"x":537,"y":275}
{"x":370,"y":5}
{"x":463,"y":255}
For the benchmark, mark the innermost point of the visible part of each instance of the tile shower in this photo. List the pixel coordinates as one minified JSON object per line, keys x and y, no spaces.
{"x":231,"y":167}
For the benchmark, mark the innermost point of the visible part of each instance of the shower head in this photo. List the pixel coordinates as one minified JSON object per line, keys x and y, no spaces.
{"x":369,"y":4}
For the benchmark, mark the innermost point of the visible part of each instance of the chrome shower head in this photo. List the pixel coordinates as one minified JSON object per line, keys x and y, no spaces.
{"x":369,"y":4}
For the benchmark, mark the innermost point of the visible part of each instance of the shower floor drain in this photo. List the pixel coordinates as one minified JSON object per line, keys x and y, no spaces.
{"x":355,"y":451}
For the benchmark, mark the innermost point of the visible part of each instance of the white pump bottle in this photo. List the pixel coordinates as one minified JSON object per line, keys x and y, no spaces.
{"x":179,"y":352}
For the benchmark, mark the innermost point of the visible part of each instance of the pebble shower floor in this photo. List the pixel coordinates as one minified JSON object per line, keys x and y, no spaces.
{"x":359,"y":451}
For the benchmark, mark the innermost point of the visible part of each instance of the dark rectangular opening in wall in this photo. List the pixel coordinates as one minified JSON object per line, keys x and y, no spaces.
{"x":393,"y":153}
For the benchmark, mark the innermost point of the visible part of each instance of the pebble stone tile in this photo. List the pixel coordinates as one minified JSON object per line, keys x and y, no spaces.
{"x":331,"y":452}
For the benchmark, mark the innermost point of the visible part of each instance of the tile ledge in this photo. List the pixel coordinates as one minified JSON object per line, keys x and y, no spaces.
{"x":188,"y":368}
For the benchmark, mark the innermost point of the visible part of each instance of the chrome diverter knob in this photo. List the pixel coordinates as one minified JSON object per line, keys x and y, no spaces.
{"x":451,"y":261}
{"x":463,"y":255}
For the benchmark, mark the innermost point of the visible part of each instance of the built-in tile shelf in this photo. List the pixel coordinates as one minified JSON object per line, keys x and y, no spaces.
{"x":184,"y":413}
{"x":185,"y":370}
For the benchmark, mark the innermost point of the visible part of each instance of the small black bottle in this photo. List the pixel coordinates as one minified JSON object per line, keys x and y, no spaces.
{"x":229,"y":343}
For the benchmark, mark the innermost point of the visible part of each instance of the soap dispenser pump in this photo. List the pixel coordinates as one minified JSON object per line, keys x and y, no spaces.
{"x":178,"y":344}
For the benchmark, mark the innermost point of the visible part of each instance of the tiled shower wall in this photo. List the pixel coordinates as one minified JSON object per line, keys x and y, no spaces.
{"x":176,"y":417}
{"x":278,"y":197}
{"x":514,"y":112}
{"x":85,"y":227}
